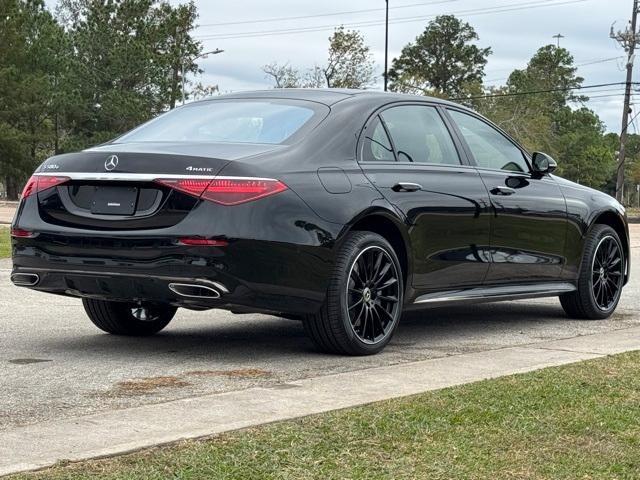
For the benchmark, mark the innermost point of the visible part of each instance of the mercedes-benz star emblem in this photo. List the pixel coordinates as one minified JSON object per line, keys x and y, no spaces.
{"x":111,"y":163}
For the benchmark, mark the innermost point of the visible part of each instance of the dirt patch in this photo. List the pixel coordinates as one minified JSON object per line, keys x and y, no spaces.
{"x":138,"y":386}
{"x":147,"y":385}
{"x":237,"y":373}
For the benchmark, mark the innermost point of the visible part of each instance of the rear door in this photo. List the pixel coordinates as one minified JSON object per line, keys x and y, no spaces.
{"x":529,"y":222}
{"x":409,"y":154}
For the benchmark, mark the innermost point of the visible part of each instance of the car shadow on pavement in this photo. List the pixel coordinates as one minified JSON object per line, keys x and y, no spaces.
{"x":263,"y":337}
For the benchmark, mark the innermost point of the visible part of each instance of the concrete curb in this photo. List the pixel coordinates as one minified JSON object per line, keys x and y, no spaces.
{"x":121,"y":431}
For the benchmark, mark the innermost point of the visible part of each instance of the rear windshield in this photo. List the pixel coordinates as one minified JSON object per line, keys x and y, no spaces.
{"x":235,"y":121}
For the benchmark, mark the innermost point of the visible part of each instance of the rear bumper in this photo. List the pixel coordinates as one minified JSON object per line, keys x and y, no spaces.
{"x":278,"y":258}
{"x":246,"y":275}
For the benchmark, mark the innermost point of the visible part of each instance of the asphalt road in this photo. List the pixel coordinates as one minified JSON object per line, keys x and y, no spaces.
{"x":56,"y":364}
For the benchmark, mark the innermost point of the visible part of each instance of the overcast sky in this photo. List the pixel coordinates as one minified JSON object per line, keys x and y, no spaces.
{"x":514,"y":35}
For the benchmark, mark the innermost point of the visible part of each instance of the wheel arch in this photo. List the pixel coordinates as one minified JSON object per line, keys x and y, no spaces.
{"x":615,"y":220}
{"x":392,"y":229}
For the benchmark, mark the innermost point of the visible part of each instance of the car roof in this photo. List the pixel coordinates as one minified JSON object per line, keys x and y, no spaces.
{"x":328,"y":96}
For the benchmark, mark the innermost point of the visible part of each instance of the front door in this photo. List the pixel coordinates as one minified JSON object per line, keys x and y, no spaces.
{"x":413,"y":160}
{"x":529,"y":222}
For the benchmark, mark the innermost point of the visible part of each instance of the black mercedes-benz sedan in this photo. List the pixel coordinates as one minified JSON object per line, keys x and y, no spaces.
{"x":340,"y":208}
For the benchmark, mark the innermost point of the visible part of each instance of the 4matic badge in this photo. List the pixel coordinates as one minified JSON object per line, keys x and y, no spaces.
{"x":199,"y":169}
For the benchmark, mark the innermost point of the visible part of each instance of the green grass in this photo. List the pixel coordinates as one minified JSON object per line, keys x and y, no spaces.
{"x":573,"y":422}
{"x":5,"y":243}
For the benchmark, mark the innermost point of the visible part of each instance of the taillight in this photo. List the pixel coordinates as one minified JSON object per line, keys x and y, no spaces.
{"x":21,"y":233}
{"x":30,"y":187}
{"x":202,"y":242}
{"x":38,"y":183}
{"x":226,"y":191}
{"x":190,"y":186}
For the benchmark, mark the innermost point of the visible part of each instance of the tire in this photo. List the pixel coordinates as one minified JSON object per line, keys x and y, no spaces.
{"x":118,"y":318}
{"x":352,"y":320}
{"x":599,"y":288}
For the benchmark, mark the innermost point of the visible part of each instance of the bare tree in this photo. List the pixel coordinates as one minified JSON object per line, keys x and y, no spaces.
{"x":314,"y":78}
{"x":201,"y":91}
{"x":350,"y":65}
{"x":283,"y":75}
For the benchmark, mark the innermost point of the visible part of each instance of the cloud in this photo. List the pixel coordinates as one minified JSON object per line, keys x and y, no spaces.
{"x":514,"y":37}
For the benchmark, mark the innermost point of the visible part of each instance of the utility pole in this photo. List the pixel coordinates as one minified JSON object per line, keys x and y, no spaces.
{"x":386,"y":46}
{"x":558,"y":37}
{"x":629,"y":39}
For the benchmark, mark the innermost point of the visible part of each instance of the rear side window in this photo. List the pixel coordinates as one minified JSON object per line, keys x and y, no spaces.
{"x":490,"y":148}
{"x":233,"y":121}
{"x":419,"y":135}
{"x":377,"y":147}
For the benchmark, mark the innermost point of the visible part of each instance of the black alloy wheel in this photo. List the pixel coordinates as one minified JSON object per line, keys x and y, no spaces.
{"x":607,"y":272}
{"x":364,"y":299}
{"x":373,"y":294}
{"x":601,"y":278}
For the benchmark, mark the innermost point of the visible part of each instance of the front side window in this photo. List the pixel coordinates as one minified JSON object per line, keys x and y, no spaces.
{"x":233,"y":121}
{"x":419,"y":135}
{"x":489,"y":147}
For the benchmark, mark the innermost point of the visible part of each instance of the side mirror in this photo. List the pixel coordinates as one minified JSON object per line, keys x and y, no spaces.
{"x":543,"y":164}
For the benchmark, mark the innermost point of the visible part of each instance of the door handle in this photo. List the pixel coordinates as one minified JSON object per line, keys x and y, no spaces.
{"x":406,"y":187}
{"x":505,"y":191}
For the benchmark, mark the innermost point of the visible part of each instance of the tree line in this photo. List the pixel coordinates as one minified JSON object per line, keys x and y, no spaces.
{"x":542,"y":105}
{"x":93,"y":69}
{"x":85,"y":74}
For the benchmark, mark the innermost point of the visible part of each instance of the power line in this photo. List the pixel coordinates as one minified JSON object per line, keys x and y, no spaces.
{"x":400,"y":20}
{"x":602,"y":99}
{"x":319,"y":15}
{"x":607,"y":90}
{"x":632,"y":120}
{"x":604,"y":60}
{"x":535,"y":92}
{"x":584,"y":64}
{"x":629,"y":39}
{"x":604,"y":96}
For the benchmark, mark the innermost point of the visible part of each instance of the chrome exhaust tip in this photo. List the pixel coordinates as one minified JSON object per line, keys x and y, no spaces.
{"x":25,"y":279}
{"x":190,"y":290}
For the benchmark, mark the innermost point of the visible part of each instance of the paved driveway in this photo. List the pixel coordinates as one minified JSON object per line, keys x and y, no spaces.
{"x":6,"y":212}
{"x":55,"y":364}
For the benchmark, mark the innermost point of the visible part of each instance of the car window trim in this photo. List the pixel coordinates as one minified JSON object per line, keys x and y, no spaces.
{"x":364,"y":138}
{"x":417,"y":166}
{"x":389,"y":137}
{"x":462,"y":155}
{"x":459,"y":134}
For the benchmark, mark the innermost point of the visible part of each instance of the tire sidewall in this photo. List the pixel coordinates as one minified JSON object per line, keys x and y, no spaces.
{"x":370,"y":240}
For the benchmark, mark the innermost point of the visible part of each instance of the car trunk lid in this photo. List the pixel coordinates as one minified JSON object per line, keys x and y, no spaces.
{"x":128,"y":186}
